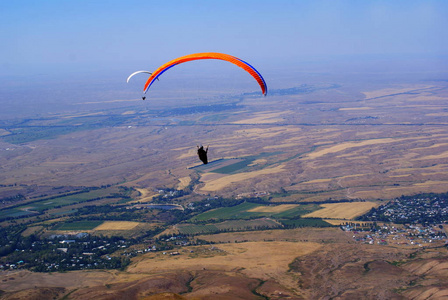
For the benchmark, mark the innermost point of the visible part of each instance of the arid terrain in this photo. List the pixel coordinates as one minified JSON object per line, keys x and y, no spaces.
{"x":368,"y":145}
{"x":357,"y":145}
{"x":294,"y":264}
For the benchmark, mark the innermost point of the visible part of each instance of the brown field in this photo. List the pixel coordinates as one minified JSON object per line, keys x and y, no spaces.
{"x":32,"y":230}
{"x":184,"y":182}
{"x":265,"y":117}
{"x":315,"y":235}
{"x":117,"y":225}
{"x":273,"y":209}
{"x":4,"y":132}
{"x":24,"y":279}
{"x":145,"y":196}
{"x":261,"y":161}
{"x":263,"y":260}
{"x":270,"y":132}
{"x":318,"y":181}
{"x":355,"y":108}
{"x":342,"y":221}
{"x":344,"y":146}
{"x":393,"y":91}
{"x":280,"y":146}
{"x":437,"y":156}
{"x":342,"y":210}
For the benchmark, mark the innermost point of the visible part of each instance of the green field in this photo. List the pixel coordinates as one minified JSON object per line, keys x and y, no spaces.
{"x":235,"y":212}
{"x":46,"y":204}
{"x":233,"y":168}
{"x":50,"y":129}
{"x":197,"y":229}
{"x":40,"y":206}
{"x":64,"y":212}
{"x":302,"y":209}
{"x":242,"y":164}
{"x":14,"y":212}
{"x":232,"y":225}
{"x":29,"y":134}
{"x":306,"y":223}
{"x":241,"y":211}
{"x":79,"y":225}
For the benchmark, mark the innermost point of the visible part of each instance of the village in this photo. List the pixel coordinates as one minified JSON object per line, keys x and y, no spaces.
{"x":64,"y":253}
{"x":410,"y":222}
{"x":419,"y":209}
{"x":399,"y":235}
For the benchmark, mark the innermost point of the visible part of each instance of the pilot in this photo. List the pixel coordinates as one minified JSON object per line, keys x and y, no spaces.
{"x":203,"y":154}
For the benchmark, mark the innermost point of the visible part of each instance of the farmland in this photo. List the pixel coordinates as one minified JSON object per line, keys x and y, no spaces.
{"x":232,"y":225}
{"x":306,"y":222}
{"x":117,"y":225}
{"x":284,"y":172}
{"x":80,"y":225}
{"x":96,"y":225}
{"x":248,"y":210}
{"x":342,"y":210}
{"x":54,"y":203}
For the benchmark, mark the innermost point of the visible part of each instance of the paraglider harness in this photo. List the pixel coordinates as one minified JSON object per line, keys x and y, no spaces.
{"x":203,"y":154}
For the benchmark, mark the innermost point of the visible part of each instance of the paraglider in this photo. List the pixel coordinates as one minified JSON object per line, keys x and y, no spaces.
{"x":138,"y":72}
{"x":203,"y":154}
{"x":135,"y":73}
{"x":207,"y":55}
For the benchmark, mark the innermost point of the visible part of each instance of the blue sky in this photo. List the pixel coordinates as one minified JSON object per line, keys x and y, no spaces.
{"x":83,"y":34}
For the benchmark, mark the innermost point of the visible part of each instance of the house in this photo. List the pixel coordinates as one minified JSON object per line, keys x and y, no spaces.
{"x":67,"y":241}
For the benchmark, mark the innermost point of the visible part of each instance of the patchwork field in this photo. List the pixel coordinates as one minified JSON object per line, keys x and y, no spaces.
{"x":247,"y":210}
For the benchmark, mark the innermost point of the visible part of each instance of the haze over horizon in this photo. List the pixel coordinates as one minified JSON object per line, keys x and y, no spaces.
{"x":82,"y":51}
{"x":136,"y":33}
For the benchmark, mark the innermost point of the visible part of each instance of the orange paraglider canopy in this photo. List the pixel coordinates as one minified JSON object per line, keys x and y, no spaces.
{"x":208,"y":55}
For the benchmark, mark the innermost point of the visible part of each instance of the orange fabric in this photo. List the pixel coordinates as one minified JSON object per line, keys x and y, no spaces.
{"x":208,"y":55}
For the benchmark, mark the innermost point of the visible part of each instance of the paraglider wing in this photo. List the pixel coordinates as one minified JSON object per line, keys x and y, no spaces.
{"x":208,"y":55}
{"x":138,"y":72}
